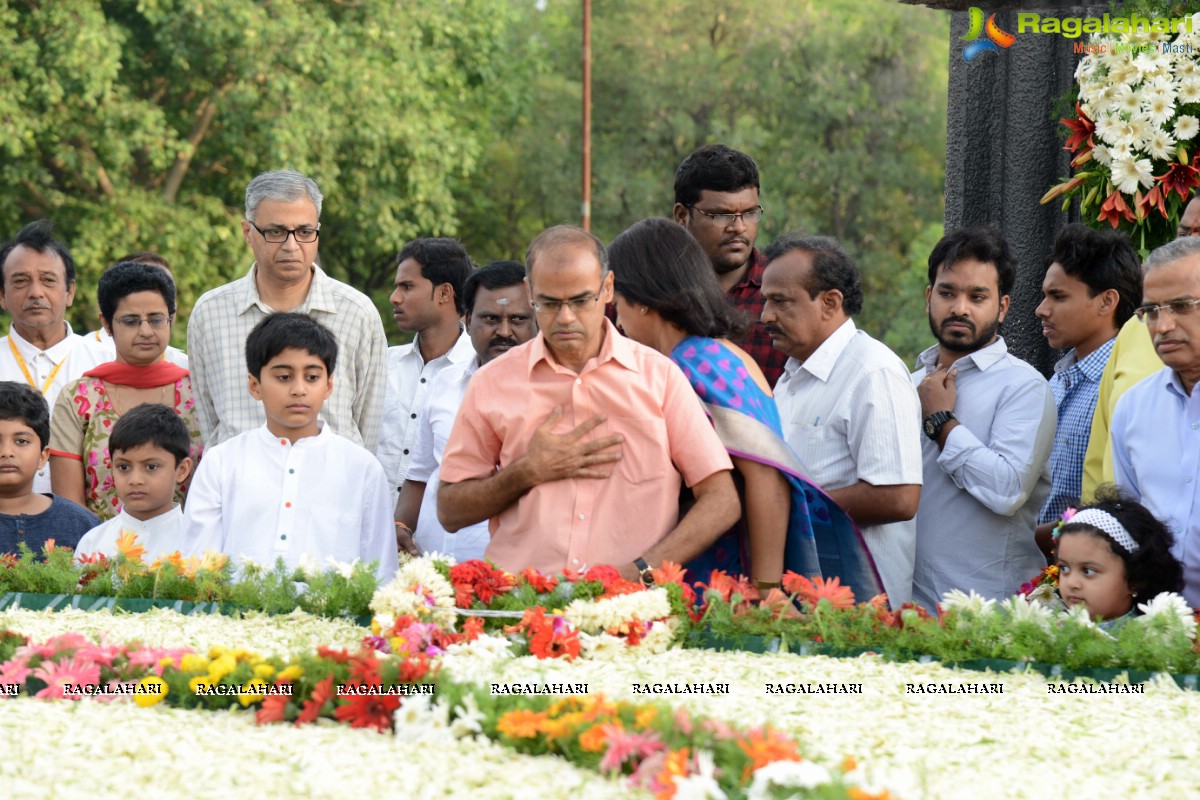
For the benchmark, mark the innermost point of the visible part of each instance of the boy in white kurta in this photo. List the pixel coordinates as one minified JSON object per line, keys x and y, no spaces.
{"x":149,"y":447}
{"x":292,"y":487}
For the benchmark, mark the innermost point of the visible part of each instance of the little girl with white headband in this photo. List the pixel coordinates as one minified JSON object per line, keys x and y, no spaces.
{"x":1112,"y":555}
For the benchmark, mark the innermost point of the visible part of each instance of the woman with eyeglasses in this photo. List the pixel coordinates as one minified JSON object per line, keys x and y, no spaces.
{"x":668,"y":298}
{"x":137,"y":307}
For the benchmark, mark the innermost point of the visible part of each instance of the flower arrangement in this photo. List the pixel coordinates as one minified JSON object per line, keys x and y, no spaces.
{"x":333,"y":589}
{"x":1133,"y":133}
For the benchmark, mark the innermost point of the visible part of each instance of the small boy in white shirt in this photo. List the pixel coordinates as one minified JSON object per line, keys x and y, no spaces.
{"x":149,"y":447}
{"x":292,"y":487}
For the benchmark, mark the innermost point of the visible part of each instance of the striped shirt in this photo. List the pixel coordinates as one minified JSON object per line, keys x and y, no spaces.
{"x":222,"y":319}
{"x":1076,"y":386}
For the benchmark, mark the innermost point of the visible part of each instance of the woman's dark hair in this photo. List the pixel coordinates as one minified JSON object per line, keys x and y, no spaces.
{"x":1150,"y":571}
{"x":130,"y":277}
{"x":657,"y":263}
{"x":19,"y":402}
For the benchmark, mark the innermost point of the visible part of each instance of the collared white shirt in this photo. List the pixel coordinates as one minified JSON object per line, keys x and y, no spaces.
{"x":409,"y":379}
{"x":222,"y":319}
{"x":982,"y":493}
{"x":79,"y":356}
{"x":1156,"y":458}
{"x":102,"y":338}
{"x":851,"y":413}
{"x":161,"y":535}
{"x":261,"y":497}
{"x":433,"y":431}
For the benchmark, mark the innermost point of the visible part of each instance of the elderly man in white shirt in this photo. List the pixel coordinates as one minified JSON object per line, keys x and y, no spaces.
{"x":499,"y":318}
{"x":989,"y":421}
{"x":427,"y":301}
{"x":846,"y":402}
{"x":37,"y":285}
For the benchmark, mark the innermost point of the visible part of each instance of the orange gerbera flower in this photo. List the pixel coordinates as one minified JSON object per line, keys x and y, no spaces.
{"x":674,"y":766}
{"x":766,"y":747}
{"x":592,"y":740}
{"x":817,"y":589}
{"x":521,"y":723}
{"x":668,"y":572}
{"x":127,"y":546}
{"x":273,"y":709}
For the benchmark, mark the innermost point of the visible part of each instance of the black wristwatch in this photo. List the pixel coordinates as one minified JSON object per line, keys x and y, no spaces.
{"x":645,"y":572}
{"x":934,"y":423}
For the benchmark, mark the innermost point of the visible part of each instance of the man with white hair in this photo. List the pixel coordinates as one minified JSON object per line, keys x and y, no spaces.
{"x":1156,"y":425}
{"x":282,"y":228}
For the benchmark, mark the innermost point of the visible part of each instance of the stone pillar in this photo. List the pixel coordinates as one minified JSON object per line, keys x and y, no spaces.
{"x":1004,"y":150}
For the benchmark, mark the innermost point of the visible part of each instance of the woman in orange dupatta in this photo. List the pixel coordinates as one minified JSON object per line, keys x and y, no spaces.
{"x":137,"y":307}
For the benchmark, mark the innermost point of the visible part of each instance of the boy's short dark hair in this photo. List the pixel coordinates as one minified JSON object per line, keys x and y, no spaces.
{"x":277,"y":332}
{"x":19,"y":402}
{"x":130,"y":277}
{"x":1102,"y":260}
{"x":154,"y":424}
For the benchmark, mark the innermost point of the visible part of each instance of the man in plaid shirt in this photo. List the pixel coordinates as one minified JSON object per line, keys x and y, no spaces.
{"x":1093,"y":284}
{"x":716,"y":199}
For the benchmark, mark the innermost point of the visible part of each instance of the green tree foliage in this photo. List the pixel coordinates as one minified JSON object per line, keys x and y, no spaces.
{"x":136,"y":125}
{"x":843,"y":105}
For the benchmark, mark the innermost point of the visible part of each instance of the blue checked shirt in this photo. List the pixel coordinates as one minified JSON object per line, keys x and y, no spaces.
{"x":1076,"y":386}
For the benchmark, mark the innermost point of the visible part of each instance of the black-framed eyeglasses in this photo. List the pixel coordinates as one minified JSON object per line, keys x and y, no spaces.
{"x":726,"y":219}
{"x":156,"y":321}
{"x":576,"y":304}
{"x":1178,"y":308}
{"x":280,"y":235}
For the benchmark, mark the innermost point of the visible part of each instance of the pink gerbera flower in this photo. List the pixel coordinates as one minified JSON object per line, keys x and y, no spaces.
{"x":59,"y":676}
{"x":625,"y":746}
{"x":15,"y":670}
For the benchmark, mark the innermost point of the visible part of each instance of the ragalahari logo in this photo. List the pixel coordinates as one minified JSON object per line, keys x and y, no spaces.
{"x":996,"y":37}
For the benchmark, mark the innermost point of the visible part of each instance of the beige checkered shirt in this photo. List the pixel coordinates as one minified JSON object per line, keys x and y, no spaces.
{"x":222,"y":319}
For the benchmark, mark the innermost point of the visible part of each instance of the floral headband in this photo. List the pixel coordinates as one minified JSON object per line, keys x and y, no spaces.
{"x":1101,"y":520}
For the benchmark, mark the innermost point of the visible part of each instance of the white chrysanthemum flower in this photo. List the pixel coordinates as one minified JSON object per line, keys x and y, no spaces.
{"x":1102,"y":155}
{"x":417,"y":590}
{"x":659,"y":637}
{"x":1186,"y":127}
{"x":1129,"y":175}
{"x":1113,"y":130}
{"x":485,"y":647}
{"x":1189,"y":89}
{"x":1169,"y":604}
{"x":343,"y":568}
{"x":1140,"y":130}
{"x":964,"y":603}
{"x":1161,"y":146}
{"x":786,"y":775}
{"x":468,"y":719}
{"x":1020,"y":611}
{"x":602,"y":646}
{"x":445,"y":558}
{"x":701,"y":785}
{"x":1079,"y":614}
{"x":308,"y":565}
{"x":1124,"y":99}
{"x":1160,"y":107}
{"x":1085,"y":70}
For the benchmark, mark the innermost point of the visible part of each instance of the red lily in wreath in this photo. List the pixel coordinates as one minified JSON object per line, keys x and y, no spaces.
{"x":1179,"y":178}
{"x":1114,"y":210}
{"x":1082,"y":129}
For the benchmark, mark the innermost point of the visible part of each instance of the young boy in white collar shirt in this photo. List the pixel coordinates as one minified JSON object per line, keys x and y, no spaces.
{"x":149,"y":445}
{"x":292,"y":487}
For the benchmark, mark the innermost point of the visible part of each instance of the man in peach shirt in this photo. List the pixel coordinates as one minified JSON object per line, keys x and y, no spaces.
{"x":576,"y":444}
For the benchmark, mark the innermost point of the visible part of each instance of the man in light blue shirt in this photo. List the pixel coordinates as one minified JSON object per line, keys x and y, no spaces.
{"x":1092,"y":285}
{"x":989,"y":420}
{"x":1156,"y":424}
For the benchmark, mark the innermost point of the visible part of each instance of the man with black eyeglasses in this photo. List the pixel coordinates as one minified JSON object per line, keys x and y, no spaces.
{"x":716,"y":199}
{"x":1156,"y":425}
{"x":282,"y":228}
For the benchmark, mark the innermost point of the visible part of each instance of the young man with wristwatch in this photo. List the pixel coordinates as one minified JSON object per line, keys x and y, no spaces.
{"x":989,"y":421}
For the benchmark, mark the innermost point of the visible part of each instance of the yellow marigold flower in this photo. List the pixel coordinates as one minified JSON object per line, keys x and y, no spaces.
{"x":592,"y":740}
{"x":264,"y":670}
{"x":152,"y":690}
{"x":166,"y":661}
{"x":220,"y":667}
{"x":217,"y":651}
{"x":200,"y":681}
{"x":193,"y":663}
{"x":520,"y":724}
{"x":553,"y":728}
{"x":291,"y":672}
{"x":375,"y":627}
{"x":244,"y":656}
{"x":645,"y":715}
{"x":849,"y":764}
{"x":252,"y":692}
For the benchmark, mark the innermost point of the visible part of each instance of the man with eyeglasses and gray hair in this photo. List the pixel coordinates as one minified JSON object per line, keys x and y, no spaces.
{"x":282,"y":228}
{"x":576,"y":444}
{"x":1156,"y":425}
{"x":716,"y":199}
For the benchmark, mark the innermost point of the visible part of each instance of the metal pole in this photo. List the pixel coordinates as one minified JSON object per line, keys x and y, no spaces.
{"x":586,"y":206}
